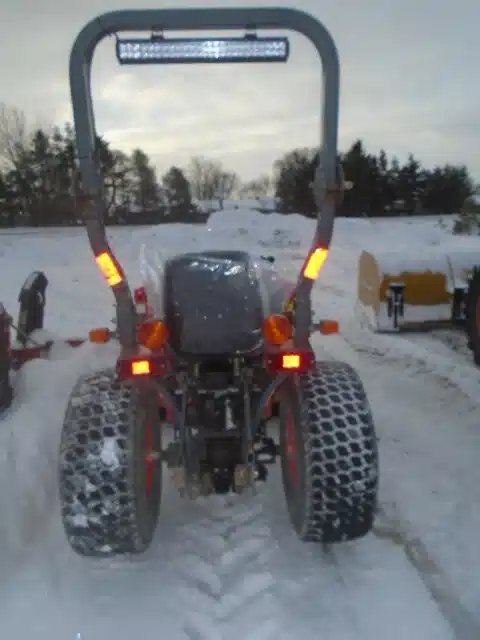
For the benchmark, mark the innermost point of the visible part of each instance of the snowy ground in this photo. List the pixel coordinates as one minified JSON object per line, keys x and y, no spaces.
{"x":231,"y":567}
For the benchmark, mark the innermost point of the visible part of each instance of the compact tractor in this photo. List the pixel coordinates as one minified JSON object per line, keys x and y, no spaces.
{"x":215,"y":350}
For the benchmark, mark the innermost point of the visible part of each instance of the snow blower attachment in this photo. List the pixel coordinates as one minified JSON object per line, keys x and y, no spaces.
{"x":32,"y":306}
{"x":5,"y":360}
{"x":226,"y":357}
{"x":27,"y":344}
{"x":398,"y":292}
{"x":30,"y":319}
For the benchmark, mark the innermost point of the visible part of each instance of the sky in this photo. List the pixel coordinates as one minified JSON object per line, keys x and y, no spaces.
{"x":409,"y":83}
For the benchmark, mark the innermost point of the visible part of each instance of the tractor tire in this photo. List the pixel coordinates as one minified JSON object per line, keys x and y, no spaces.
{"x":472,"y":315}
{"x":329,"y":454}
{"x":110,"y":470}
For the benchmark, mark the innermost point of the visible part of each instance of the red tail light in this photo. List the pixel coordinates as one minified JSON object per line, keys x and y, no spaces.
{"x":141,"y":301}
{"x":142,"y":366}
{"x":291,"y":361}
{"x":294,"y":361}
{"x":140,"y":295}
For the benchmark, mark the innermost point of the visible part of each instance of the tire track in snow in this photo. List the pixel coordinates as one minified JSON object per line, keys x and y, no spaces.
{"x":419,"y":355}
{"x":338,"y":577}
{"x":464,"y":625}
{"x":228,"y":590}
{"x":393,"y":529}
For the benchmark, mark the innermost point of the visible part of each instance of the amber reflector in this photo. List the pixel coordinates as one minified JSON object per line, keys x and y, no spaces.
{"x":100,"y":335}
{"x":277,"y":329}
{"x":152,"y":334}
{"x":328,"y":327}
{"x":108,"y":268}
{"x":315,"y":263}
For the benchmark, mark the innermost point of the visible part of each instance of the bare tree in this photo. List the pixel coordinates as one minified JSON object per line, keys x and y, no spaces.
{"x":204,"y":175}
{"x":13,"y":136}
{"x":258,"y":188}
{"x":209,"y":181}
{"x":226,"y":183}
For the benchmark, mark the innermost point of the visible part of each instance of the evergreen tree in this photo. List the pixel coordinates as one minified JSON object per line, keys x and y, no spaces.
{"x":177,"y":192}
{"x":144,"y":183}
{"x":293,"y":178}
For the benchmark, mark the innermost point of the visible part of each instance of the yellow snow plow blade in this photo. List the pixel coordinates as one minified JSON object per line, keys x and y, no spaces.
{"x":398,"y":291}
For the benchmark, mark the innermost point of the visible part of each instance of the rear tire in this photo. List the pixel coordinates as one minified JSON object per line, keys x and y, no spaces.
{"x":472,"y":313}
{"x":110,"y":474}
{"x":329,"y":454}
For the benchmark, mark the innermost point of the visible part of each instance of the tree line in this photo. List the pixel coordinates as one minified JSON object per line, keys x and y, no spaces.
{"x":381,"y":186}
{"x":39,"y":182}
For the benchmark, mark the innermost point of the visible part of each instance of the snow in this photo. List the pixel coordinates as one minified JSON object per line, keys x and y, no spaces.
{"x":231,"y":566}
{"x":109,"y":453}
{"x":391,"y":262}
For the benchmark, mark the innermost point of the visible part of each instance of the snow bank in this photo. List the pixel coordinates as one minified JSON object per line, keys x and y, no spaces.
{"x":265,"y":203}
{"x":30,"y":439}
{"x":427,"y":434}
{"x":231,"y":229}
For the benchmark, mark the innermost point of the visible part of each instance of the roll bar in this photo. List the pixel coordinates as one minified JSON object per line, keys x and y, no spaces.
{"x":92,"y":204}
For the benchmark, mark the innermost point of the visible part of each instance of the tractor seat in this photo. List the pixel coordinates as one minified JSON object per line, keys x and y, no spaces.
{"x":213,"y":306}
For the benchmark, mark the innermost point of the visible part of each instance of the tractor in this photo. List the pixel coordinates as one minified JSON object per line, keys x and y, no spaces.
{"x":216,"y":349}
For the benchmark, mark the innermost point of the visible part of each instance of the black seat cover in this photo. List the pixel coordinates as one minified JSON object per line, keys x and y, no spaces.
{"x":213,"y":304}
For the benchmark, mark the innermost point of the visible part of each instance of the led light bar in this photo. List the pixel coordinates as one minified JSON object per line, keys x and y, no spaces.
{"x":182,"y":50}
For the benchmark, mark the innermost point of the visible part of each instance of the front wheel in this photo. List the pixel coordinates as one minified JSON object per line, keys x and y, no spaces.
{"x":110,"y":473}
{"x":329,"y":454}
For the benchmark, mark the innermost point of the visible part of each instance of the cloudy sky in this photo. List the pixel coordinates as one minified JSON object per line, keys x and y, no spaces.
{"x":409,"y":82}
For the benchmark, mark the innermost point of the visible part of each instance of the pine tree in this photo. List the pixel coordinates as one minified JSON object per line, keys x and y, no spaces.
{"x":145,"y":187}
{"x":293,"y":178}
{"x":177,"y":192}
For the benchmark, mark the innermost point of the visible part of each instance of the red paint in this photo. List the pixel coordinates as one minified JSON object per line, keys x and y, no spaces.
{"x":20,"y":355}
{"x":291,"y":449}
{"x":267,"y":409}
